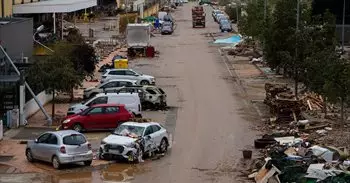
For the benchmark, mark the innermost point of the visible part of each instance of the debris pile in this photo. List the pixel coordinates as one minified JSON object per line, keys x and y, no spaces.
{"x":296,"y":159}
{"x":244,"y":49}
{"x":282,"y":102}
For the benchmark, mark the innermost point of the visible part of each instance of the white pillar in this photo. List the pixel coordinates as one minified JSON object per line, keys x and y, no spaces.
{"x":141,"y":10}
{"x":21,"y":105}
{"x":54,"y":23}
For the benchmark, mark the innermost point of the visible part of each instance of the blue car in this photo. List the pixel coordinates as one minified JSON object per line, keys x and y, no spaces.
{"x":225,"y":25}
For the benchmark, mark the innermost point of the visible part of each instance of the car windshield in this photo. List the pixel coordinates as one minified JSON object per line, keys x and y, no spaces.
{"x":74,"y":139}
{"x":225,"y":21}
{"x":128,"y":130}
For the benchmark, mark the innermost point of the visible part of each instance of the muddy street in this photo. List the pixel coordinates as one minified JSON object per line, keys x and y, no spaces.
{"x":209,"y":118}
{"x":211,"y":128}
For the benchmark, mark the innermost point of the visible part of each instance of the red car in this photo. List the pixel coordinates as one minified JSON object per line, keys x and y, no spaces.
{"x":100,"y":116}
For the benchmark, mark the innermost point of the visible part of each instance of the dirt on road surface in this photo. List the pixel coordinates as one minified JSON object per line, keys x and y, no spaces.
{"x":209,"y":118}
{"x":213,"y":121}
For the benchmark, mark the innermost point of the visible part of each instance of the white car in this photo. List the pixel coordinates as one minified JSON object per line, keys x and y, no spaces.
{"x":125,"y":141}
{"x":141,"y":79}
{"x":131,"y":101}
{"x":112,"y":84}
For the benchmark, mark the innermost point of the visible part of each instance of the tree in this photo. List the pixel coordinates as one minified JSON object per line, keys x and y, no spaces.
{"x":279,"y":47}
{"x":81,"y":54}
{"x":56,"y":74}
{"x":252,"y":24}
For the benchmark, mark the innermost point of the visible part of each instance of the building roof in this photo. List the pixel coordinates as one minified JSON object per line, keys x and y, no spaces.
{"x":53,"y":6}
{"x":5,"y":21}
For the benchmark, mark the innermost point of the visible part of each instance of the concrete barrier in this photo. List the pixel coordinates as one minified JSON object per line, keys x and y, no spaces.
{"x":31,"y":107}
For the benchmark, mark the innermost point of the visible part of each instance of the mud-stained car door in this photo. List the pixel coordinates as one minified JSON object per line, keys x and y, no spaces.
{"x":154,"y":97}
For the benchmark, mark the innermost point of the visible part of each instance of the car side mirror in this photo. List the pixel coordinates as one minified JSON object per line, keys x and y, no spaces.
{"x":148,"y":137}
{"x":36,"y":141}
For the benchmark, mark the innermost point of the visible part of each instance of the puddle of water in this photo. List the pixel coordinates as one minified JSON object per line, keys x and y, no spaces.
{"x":111,"y":173}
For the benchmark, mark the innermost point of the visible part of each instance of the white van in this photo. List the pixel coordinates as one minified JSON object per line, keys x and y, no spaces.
{"x":130,"y":100}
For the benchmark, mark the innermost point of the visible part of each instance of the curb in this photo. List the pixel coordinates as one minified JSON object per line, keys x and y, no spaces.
{"x":238,"y":81}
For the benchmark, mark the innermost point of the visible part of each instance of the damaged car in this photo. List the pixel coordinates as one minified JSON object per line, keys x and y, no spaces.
{"x":151,"y":97}
{"x":132,"y":140}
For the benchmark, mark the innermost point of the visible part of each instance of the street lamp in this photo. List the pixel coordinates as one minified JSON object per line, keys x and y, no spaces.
{"x":39,"y":29}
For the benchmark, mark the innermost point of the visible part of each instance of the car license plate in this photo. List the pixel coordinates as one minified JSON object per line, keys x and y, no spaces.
{"x":114,"y":151}
{"x":77,"y":158}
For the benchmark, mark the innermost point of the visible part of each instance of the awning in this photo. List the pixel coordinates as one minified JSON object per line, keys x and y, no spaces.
{"x":53,"y":6}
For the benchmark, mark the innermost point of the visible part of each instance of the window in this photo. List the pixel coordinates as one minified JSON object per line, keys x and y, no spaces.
{"x":52,"y":139}
{"x":99,"y":100}
{"x":155,"y":128}
{"x":116,"y":73}
{"x":111,"y":109}
{"x":148,"y":131}
{"x":124,"y":83}
{"x":74,"y":139}
{"x":96,"y":110}
{"x":151,"y":91}
{"x":43,"y":138}
{"x":161,"y":91}
{"x":130,"y":73}
{"x":110,"y":85}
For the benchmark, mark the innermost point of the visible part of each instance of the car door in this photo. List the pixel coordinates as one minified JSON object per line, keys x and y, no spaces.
{"x":148,"y":142}
{"x":117,"y":74}
{"x":98,"y":100}
{"x":157,"y":134}
{"x":38,"y":147}
{"x":110,"y":85}
{"x":51,"y":146}
{"x":124,"y":83}
{"x":112,"y":116}
{"x":94,"y":118}
{"x":131,"y":75}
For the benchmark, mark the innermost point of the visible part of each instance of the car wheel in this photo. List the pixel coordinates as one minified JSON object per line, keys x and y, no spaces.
{"x":77,"y":127}
{"x":144,"y":82}
{"x":163,"y":147}
{"x":56,"y":163}
{"x":87,"y":163}
{"x":29,"y":155}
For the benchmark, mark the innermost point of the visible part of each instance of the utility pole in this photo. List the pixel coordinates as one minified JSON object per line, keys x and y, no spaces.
{"x":296,"y":51}
{"x":343,"y":28}
{"x":49,"y":120}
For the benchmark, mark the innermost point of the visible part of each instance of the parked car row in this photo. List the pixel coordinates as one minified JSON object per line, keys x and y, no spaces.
{"x":129,"y":141}
{"x":121,"y":96}
{"x":223,"y":20}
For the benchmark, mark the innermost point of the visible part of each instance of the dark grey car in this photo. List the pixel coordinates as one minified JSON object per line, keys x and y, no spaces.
{"x":167,"y":28}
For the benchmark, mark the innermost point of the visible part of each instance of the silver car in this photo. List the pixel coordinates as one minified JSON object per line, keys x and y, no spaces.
{"x":60,"y":147}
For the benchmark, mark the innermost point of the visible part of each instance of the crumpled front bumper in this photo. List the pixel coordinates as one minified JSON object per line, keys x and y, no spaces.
{"x":128,"y":153}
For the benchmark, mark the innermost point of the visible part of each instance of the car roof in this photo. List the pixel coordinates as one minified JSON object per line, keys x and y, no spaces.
{"x":114,"y":69}
{"x":108,"y":105}
{"x":115,"y":94}
{"x":112,"y":80}
{"x":64,"y":132}
{"x":144,"y":124}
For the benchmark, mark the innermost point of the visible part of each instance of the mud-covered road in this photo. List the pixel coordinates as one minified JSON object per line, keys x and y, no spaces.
{"x":209,"y":118}
{"x":212,"y":124}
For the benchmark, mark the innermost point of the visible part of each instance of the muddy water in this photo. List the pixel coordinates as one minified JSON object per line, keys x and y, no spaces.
{"x":105,"y":174}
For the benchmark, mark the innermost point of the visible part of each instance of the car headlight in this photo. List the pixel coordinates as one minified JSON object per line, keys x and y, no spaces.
{"x":153,"y":79}
{"x":103,"y":142}
{"x":66,"y":121}
{"x":131,"y":145}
